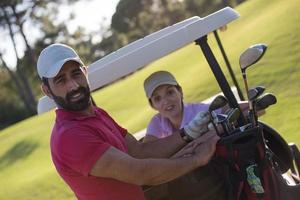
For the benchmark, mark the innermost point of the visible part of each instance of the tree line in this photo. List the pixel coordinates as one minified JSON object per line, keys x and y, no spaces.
{"x":133,"y":19}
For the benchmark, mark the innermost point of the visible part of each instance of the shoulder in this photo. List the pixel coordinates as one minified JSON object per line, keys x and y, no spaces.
{"x":196,"y":107}
{"x":155,"y":126}
{"x":156,"y":120}
{"x":102,"y":113}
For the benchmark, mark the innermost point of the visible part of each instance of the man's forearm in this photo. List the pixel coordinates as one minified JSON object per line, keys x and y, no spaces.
{"x":161,"y":148}
{"x":152,"y":171}
{"x":123,"y":167}
{"x":158,"y":171}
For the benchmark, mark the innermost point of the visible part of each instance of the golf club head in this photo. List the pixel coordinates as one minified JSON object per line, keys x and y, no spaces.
{"x":252,"y":93}
{"x":296,"y":155}
{"x":265,"y":101}
{"x":233,"y":115}
{"x":255,"y":92}
{"x":262,"y":47}
{"x":251,"y":55}
{"x":221,"y":118}
{"x":260,"y":89}
{"x":218,"y":102}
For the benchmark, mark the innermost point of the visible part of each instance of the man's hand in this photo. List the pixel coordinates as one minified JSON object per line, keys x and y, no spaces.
{"x":198,"y":125}
{"x":196,"y":145}
{"x":206,"y":149}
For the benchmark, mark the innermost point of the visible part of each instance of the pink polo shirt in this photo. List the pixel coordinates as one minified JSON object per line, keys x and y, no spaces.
{"x":77,"y":142}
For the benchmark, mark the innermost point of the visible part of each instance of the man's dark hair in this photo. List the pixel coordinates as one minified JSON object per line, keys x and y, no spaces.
{"x":45,"y":81}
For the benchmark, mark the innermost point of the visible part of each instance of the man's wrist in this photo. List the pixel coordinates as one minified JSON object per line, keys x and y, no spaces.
{"x":185,"y":136}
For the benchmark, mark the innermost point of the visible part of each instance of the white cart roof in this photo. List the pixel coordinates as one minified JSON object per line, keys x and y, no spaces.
{"x":135,"y":55}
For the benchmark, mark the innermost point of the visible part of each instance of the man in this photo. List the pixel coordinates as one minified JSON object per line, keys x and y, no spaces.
{"x":96,"y":157}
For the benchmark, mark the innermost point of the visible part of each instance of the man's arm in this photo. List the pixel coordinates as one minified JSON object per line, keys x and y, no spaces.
{"x":149,"y":138}
{"x":118,"y":165}
{"x":162,"y":148}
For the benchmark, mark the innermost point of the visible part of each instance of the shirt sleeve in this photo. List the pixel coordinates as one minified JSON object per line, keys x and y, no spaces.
{"x":79,"y":148}
{"x":154,"y":127}
{"x":200,"y":107}
{"x":122,"y":130}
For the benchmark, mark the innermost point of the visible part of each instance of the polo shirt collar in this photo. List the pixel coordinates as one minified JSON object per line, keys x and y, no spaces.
{"x":63,"y":114}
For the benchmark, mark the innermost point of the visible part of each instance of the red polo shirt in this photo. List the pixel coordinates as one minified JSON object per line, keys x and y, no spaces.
{"x":77,"y":142}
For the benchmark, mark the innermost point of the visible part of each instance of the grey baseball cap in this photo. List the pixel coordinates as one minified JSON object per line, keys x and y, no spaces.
{"x":53,"y":57}
{"x":157,"y":79}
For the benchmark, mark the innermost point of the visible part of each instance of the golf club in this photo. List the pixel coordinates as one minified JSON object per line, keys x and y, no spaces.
{"x":248,"y":58}
{"x":256,"y":92}
{"x":296,"y":154}
{"x":265,"y":101}
{"x":221,"y":119}
{"x":232,"y":117}
{"x":218,"y":102}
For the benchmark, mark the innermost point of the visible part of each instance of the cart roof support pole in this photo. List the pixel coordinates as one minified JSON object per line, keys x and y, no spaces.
{"x":228,"y":65}
{"x":215,"y":67}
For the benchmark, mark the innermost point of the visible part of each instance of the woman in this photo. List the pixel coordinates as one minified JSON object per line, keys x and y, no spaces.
{"x":165,"y":95}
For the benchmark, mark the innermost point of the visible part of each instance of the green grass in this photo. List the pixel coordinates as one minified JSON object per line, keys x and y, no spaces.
{"x":26,"y":170}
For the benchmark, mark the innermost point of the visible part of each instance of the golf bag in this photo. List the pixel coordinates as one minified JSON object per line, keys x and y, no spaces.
{"x":250,"y":168}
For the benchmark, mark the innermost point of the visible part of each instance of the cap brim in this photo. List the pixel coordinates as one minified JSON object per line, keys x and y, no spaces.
{"x":54,"y":70}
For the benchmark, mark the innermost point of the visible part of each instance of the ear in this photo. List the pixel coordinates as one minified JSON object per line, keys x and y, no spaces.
{"x":45,"y":89}
{"x":84,"y":69}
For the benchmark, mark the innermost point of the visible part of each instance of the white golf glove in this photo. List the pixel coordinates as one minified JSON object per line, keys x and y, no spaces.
{"x":211,"y":127}
{"x":198,"y":125}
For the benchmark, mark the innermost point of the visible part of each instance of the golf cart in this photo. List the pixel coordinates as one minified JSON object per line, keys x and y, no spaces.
{"x":278,"y":156}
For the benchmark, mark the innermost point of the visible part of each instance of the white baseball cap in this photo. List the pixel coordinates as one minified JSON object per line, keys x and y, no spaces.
{"x":157,"y":79}
{"x":53,"y":57}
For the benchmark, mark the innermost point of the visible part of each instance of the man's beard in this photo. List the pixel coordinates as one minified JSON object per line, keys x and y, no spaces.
{"x":79,"y":105}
